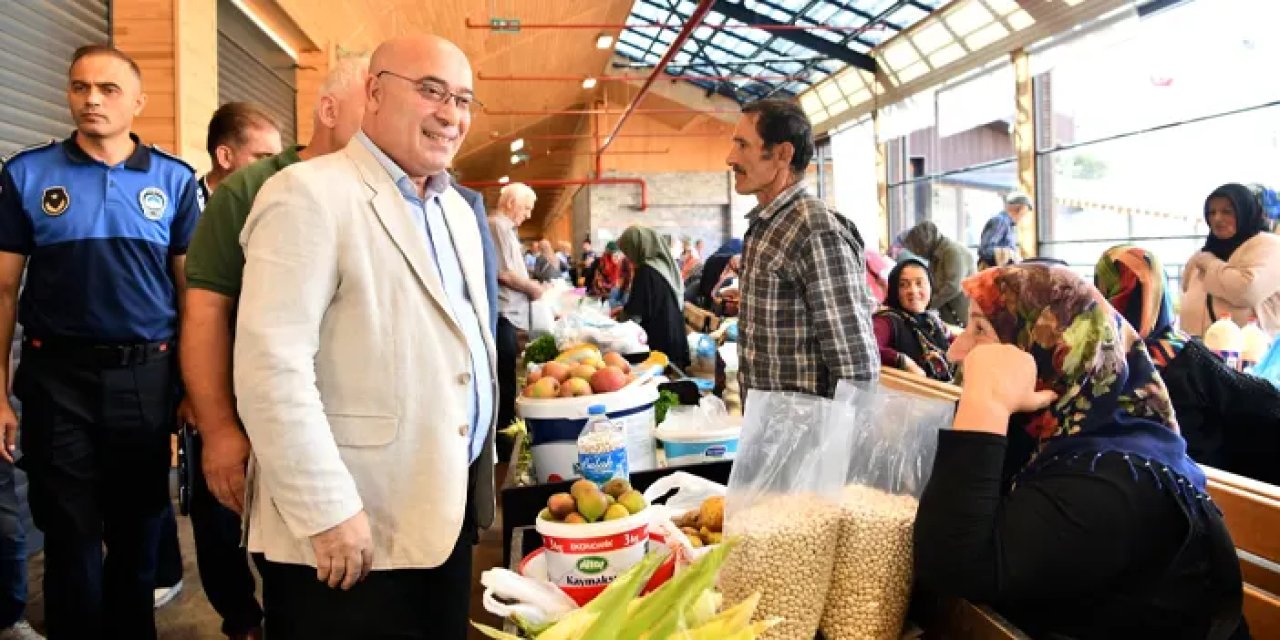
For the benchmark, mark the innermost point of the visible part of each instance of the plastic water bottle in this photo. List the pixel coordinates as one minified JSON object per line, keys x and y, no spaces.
{"x":1226,"y":339}
{"x":1256,"y":344}
{"x":602,"y":448}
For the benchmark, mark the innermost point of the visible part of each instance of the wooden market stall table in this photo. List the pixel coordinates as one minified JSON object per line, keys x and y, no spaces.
{"x":1250,"y":508}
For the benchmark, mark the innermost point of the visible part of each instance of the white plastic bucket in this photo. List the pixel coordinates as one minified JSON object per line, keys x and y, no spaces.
{"x":692,"y":446}
{"x":555,"y":423}
{"x":593,"y":555}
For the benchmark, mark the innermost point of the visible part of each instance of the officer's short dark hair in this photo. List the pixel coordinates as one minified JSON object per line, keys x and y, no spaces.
{"x":231,"y":123}
{"x":104,"y":50}
{"x":781,"y":121}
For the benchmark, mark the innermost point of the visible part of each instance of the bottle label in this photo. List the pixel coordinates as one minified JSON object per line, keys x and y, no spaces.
{"x":604,"y":466}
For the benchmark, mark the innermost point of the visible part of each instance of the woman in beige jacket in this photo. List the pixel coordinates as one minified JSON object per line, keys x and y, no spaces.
{"x":1237,"y":274}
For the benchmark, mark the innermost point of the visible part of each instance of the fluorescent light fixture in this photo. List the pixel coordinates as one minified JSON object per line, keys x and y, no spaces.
{"x":588,"y":83}
{"x":604,"y":41}
{"x":515,"y":158}
{"x":504,"y":179}
{"x":517,"y":144}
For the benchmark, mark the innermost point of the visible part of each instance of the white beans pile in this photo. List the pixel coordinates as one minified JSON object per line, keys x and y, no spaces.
{"x":787,"y":553}
{"x":871,"y":585}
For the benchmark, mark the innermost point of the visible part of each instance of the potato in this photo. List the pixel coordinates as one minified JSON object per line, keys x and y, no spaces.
{"x":711,"y":515}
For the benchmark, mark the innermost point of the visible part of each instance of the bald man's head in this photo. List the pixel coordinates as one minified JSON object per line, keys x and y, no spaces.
{"x":420,"y":100}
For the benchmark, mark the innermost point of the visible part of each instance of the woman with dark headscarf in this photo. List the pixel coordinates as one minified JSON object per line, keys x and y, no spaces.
{"x":1230,"y":420}
{"x":1106,"y":531}
{"x":1237,"y":274}
{"x":657,"y":293}
{"x":911,"y":337}
{"x":713,"y":269}
{"x":949,"y":264}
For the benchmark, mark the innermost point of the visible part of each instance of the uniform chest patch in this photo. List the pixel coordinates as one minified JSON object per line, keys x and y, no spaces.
{"x":55,"y":201}
{"x":153,"y":202}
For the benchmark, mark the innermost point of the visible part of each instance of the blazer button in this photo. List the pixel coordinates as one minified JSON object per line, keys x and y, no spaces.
{"x":464,"y":378}
{"x":463,"y":429}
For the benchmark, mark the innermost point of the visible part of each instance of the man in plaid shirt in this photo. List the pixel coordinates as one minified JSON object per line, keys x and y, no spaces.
{"x":806,"y":310}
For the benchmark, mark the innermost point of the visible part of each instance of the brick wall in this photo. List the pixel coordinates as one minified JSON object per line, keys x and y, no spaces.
{"x":693,"y":204}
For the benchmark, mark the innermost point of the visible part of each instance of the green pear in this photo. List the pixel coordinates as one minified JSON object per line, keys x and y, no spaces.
{"x":592,"y":505}
{"x":633,"y":500}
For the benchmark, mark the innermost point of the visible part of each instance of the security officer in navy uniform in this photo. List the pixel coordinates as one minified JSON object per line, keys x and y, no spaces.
{"x":101,"y":222}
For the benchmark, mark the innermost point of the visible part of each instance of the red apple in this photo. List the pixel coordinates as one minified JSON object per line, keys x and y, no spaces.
{"x":557,"y":370}
{"x":615,"y":359}
{"x":575,"y":387}
{"x":608,"y":379}
{"x":545,"y":388}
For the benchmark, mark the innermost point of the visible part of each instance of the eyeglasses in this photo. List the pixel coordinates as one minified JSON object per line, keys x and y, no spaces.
{"x":437,"y":92}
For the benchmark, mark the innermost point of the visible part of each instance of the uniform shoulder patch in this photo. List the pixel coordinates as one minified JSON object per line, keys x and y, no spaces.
{"x":28,"y":149}
{"x":166,"y":154}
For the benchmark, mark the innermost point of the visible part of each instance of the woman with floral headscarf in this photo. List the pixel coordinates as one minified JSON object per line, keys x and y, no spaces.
{"x":1231,"y":420}
{"x":1106,"y":532}
{"x":1237,"y":274}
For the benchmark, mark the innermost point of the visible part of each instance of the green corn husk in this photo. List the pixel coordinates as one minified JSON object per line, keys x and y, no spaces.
{"x":660,"y":615}
{"x":612,"y":604}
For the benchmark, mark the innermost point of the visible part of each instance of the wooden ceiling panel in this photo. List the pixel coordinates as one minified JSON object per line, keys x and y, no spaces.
{"x":359,"y":25}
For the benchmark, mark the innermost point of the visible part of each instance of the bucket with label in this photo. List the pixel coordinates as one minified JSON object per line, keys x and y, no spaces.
{"x":710,"y":443}
{"x":555,"y":423}
{"x":585,"y":558}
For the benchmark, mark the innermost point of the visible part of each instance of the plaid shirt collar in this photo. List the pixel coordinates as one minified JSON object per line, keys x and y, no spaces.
{"x":765,"y":212}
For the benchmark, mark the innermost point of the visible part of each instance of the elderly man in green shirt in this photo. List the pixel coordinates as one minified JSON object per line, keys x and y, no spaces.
{"x":214,"y":270}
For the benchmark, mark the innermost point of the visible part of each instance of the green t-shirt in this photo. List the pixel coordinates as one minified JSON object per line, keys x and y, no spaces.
{"x":215,"y":261}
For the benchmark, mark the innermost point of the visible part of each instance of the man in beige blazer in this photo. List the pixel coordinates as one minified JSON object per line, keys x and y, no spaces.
{"x":364,"y":370}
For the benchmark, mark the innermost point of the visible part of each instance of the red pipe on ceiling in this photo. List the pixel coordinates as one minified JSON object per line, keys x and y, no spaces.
{"x":644,"y":188}
{"x":699,"y":13}
{"x":624,"y":78}
{"x":666,"y":25}
{"x":583,"y":136}
{"x":600,"y":112}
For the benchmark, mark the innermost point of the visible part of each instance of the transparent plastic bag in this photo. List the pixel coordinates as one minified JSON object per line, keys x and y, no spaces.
{"x":781,"y":504}
{"x":895,"y":438}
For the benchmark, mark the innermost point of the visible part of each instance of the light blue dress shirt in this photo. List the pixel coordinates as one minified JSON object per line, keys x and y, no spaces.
{"x":430,"y":216}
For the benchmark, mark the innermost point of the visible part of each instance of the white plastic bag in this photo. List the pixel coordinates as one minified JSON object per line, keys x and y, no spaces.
{"x":690,"y":492}
{"x":537,"y":602}
{"x":542,"y":318}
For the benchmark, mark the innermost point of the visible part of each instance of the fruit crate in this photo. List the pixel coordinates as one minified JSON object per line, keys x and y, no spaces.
{"x":521,"y":504}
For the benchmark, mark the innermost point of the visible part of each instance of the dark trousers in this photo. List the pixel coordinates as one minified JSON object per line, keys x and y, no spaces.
{"x":507,"y":391}
{"x":397,"y":604}
{"x":224,"y":564}
{"x":96,"y":443}
{"x":13,"y":549}
{"x":169,"y":555}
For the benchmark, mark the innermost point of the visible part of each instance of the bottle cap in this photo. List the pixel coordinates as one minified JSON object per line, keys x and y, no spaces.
{"x":595,"y":410}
